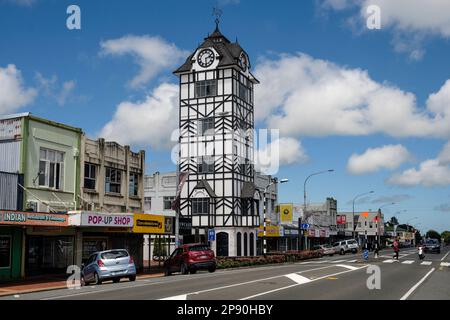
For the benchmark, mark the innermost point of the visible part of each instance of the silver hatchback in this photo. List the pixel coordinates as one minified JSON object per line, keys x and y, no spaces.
{"x":108,"y":265}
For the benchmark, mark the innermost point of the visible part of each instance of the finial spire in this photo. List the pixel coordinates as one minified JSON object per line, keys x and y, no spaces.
{"x":217,"y":12}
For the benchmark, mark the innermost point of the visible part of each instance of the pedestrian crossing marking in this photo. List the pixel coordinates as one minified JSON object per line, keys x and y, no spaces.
{"x":389,"y":261}
{"x":426,"y":263}
{"x":298,"y":278}
{"x":339,"y":261}
{"x":352,"y":261}
{"x":445,"y":264}
{"x":408,"y":262}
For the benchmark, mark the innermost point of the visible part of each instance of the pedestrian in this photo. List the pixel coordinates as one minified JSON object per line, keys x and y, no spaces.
{"x":376,"y":249}
{"x":396,"y":249}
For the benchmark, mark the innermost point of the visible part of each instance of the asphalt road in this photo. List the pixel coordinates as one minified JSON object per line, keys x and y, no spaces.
{"x":337,"y":277}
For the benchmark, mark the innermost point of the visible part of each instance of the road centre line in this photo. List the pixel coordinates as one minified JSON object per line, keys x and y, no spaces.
{"x":406,"y":295}
{"x":295,"y":285}
{"x":444,"y":257}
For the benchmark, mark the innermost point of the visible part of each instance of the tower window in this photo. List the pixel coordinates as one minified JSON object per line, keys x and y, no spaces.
{"x":243,"y":92}
{"x":206,"y":88}
{"x":200,"y":206}
{"x":206,"y":126}
{"x":206,"y":165}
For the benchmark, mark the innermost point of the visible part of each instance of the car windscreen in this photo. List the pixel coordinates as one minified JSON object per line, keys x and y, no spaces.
{"x":199,"y":248}
{"x":352,"y":242}
{"x":326,"y":246}
{"x":110,"y":255}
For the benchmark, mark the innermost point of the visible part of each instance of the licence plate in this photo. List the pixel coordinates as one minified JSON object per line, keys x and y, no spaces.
{"x":203,"y":257}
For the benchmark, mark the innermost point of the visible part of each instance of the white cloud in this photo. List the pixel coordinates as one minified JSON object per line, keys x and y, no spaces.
{"x":444,"y":156}
{"x":430,"y":173}
{"x":51,"y":88}
{"x":24,"y":3}
{"x":387,"y":157}
{"x":433,"y":172}
{"x":13,"y":94}
{"x":410,"y":20}
{"x":152,"y":54}
{"x":147,"y":123}
{"x":280,"y":152}
{"x":301,"y":95}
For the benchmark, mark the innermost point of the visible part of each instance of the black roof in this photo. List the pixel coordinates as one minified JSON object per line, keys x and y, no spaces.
{"x":203,"y":184}
{"x":229,"y":52}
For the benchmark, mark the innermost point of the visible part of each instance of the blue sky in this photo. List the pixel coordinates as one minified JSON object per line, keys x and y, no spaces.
{"x":80,"y":77}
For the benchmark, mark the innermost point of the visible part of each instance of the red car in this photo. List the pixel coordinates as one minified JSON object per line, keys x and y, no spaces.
{"x":190,"y":258}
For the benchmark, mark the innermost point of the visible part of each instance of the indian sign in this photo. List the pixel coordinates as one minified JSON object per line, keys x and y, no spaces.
{"x":33,"y":219}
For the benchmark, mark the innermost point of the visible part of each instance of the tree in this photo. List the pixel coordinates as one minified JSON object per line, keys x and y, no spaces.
{"x":418,"y":237}
{"x":394,"y":220}
{"x":446,"y":236}
{"x":433,"y":234}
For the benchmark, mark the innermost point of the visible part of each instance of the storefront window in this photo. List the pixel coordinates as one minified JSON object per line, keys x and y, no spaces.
{"x":49,"y":254}
{"x":91,"y":246}
{"x":5,"y":251}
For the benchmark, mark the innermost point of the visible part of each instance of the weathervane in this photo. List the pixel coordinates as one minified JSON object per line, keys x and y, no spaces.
{"x":217,"y":12}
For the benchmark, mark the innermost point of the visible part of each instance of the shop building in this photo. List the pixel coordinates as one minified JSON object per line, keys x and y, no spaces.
{"x":368,"y":228}
{"x":112,"y":177}
{"x":46,"y":153}
{"x":34,"y":243}
{"x":322,"y":223}
{"x":159,"y":193}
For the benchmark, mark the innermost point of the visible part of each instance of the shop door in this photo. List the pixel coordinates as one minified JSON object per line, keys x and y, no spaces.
{"x":222,"y":244}
{"x":34,"y":255}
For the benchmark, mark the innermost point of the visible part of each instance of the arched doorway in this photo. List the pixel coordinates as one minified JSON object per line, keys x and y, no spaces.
{"x":245,"y":244}
{"x":252,"y":244}
{"x":222,"y":244}
{"x":239,"y":244}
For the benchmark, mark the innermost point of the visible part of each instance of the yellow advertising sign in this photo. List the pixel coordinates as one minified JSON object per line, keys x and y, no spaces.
{"x":148,"y":224}
{"x":271,"y":231}
{"x":286,"y":212}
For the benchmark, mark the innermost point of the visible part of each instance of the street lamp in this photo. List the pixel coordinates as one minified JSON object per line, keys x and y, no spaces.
{"x":272,"y":182}
{"x":354,"y":199}
{"x":304,"y":196}
{"x":379,"y":219}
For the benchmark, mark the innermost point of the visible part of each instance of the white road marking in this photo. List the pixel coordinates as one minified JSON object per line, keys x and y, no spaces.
{"x":347,"y":267}
{"x":298,"y":278}
{"x":417,"y":285}
{"x":244,"y":283}
{"x":388,"y":261}
{"x":16,"y":296}
{"x":295,"y":285}
{"x":426,"y":263}
{"x":352,"y":261}
{"x":445,"y":264}
{"x":339,"y":261}
{"x":444,"y":257}
{"x":177,"y":298}
{"x":408,"y":262}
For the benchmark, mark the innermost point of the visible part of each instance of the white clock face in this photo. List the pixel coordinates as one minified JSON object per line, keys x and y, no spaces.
{"x":243,"y":62}
{"x":206,"y":58}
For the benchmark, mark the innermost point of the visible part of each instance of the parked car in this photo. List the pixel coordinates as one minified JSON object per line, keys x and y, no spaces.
{"x":190,"y":258}
{"x":432,"y":245}
{"x":108,"y":265}
{"x":342,"y":247}
{"x":325,"y":249}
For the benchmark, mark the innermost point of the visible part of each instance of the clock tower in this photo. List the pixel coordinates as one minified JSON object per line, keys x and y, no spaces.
{"x":216,"y":146}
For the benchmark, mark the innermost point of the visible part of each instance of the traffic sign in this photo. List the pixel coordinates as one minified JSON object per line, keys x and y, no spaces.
{"x":211,"y":235}
{"x":366,"y":254}
{"x":305,"y":226}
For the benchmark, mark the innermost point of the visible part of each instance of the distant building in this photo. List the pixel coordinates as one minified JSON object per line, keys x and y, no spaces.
{"x":322,"y":220}
{"x":112,"y":177}
{"x":367,"y":224}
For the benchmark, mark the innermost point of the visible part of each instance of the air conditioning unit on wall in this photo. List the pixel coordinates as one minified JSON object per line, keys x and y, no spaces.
{"x":36,"y":206}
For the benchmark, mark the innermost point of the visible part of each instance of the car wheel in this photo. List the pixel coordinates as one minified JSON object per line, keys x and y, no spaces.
{"x":132,"y":278}
{"x":342,"y":252}
{"x":116,"y":280}
{"x":193,"y":271}
{"x":82,"y":281}
{"x":212,"y":269}
{"x":97,"y":280}
{"x":184,"y":269}
{"x":167,"y":272}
